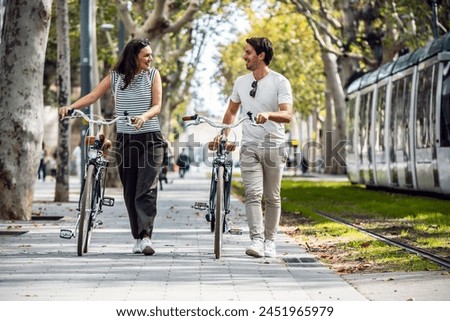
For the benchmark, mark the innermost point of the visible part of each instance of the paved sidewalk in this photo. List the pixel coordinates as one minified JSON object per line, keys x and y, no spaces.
{"x":39,"y":266}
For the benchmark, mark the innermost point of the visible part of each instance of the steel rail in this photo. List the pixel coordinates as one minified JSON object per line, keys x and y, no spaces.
{"x":421,"y":252}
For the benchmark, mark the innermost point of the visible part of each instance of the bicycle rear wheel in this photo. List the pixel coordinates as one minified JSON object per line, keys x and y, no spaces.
{"x":219,"y":213}
{"x":85,"y":224}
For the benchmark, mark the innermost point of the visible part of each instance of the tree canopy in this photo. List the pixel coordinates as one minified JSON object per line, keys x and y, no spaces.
{"x":297,"y":55}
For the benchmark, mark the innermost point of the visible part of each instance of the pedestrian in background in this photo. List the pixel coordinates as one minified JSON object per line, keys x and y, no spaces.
{"x":137,"y":89}
{"x":42,"y":170}
{"x":268,"y":95}
{"x":183,"y":163}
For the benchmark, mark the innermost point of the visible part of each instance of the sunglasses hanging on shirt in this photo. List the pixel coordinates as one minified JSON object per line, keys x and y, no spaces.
{"x":252,"y":92}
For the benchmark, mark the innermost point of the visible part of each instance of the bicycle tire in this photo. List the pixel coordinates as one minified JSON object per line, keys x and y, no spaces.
{"x":85,"y":212}
{"x":96,"y":198}
{"x":219,"y":213}
{"x":212,"y":201}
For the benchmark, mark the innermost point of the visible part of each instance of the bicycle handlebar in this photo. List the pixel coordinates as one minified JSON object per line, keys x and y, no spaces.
{"x":187,"y":118}
{"x":73,"y":113}
{"x":202,"y":119}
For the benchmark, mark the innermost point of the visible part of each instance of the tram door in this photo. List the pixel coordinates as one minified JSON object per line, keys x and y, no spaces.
{"x":399,"y":149}
{"x":365,"y":150}
{"x":350,"y":147}
{"x":425,"y":131}
{"x":443,"y":132}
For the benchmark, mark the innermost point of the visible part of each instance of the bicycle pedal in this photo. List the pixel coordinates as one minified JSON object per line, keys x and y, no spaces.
{"x":108,"y":201}
{"x":98,"y":223}
{"x":235,"y":231}
{"x":201,"y":206}
{"x":66,"y":234}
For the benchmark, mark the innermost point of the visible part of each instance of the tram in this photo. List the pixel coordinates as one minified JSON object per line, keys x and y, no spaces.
{"x":398,"y":123}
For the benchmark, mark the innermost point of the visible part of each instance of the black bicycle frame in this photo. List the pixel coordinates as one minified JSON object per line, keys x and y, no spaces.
{"x":100,"y":169}
{"x":221,"y":160}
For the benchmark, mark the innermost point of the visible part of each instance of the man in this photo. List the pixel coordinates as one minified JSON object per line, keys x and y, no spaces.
{"x":268,"y":95}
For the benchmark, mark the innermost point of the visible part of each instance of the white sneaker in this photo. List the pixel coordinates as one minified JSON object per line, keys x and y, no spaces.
{"x":270,"y":249}
{"x":147,"y":247}
{"x":137,"y":247}
{"x":255,"y":249}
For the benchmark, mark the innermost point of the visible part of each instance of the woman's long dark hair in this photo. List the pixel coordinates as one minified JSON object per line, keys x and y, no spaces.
{"x":127,"y":63}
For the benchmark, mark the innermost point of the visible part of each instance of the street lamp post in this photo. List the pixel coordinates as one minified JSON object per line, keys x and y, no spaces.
{"x":121,"y":35}
{"x":2,"y":14}
{"x":85,"y":64}
{"x":434,"y":7}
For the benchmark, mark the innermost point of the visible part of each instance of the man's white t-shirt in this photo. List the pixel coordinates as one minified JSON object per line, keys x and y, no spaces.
{"x":272,"y":90}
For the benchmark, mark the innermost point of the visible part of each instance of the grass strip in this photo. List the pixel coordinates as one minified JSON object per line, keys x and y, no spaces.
{"x":416,"y":220}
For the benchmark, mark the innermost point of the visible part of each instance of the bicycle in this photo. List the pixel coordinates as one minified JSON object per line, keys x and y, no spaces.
{"x":218,"y":206}
{"x":92,"y":193}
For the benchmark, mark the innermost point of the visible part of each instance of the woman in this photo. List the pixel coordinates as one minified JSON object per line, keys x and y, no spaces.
{"x":137,"y":89}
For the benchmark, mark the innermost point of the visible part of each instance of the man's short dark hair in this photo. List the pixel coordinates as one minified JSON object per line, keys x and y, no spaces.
{"x":262,"y":44}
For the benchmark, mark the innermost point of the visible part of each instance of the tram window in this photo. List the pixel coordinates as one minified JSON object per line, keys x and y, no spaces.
{"x":399,"y":123}
{"x":424,"y":110}
{"x":350,"y":124}
{"x":380,"y":118}
{"x":401,"y":101}
{"x":445,"y":108}
{"x":399,"y":115}
{"x":393,"y":122}
{"x":364,"y":123}
{"x":406,"y":108}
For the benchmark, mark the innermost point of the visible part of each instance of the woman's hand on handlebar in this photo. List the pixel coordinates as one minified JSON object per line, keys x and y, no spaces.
{"x":218,"y":138}
{"x":138,"y":121}
{"x":64,"y":111}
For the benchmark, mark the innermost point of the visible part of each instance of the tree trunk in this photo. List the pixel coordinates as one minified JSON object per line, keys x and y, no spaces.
{"x":328,"y":132}
{"x":2,"y":15}
{"x":97,"y":107}
{"x":22,"y":52}
{"x":336,"y":90}
{"x":63,"y":71}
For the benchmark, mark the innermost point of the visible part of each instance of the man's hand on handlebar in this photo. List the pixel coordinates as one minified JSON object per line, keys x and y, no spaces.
{"x":261,"y":118}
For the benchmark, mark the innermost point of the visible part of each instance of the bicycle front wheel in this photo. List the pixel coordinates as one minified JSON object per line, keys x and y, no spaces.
{"x":85,"y":224}
{"x":219,"y":213}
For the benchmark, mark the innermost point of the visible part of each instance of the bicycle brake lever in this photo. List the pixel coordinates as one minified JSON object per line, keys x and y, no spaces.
{"x":129,"y":122}
{"x":251,"y":117}
{"x":69,"y":114}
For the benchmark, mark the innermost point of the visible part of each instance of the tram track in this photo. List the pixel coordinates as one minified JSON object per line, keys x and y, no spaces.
{"x":412,"y":249}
